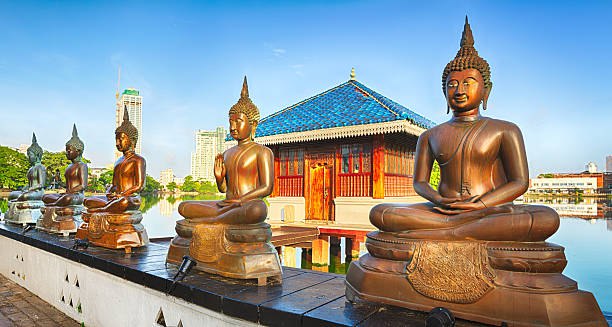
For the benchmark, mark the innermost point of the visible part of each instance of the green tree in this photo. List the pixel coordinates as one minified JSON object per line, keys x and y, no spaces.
{"x":98,"y":184}
{"x":171,"y":186}
{"x":13,"y":168}
{"x":189,"y":185}
{"x":207,"y":187}
{"x":151,"y":185}
{"x":434,"y":178}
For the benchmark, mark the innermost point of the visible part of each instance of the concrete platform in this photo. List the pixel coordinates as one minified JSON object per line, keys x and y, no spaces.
{"x":115,"y":287}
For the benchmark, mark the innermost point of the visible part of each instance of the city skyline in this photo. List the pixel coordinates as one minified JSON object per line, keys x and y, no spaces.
{"x":207,"y":145}
{"x":188,"y":61}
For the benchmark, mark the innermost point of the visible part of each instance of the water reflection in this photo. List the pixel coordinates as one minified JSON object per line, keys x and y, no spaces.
{"x":576,"y":207}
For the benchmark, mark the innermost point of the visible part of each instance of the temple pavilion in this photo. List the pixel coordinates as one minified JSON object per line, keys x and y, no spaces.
{"x":339,"y":153}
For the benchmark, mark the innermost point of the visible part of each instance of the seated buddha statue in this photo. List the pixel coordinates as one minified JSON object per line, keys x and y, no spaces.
{"x":24,"y":205}
{"x":129,"y":174}
{"x":37,"y":175}
{"x":483,"y":168}
{"x":113,"y":220}
{"x":244,"y":172}
{"x":470,"y":249}
{"x":61,"y":209}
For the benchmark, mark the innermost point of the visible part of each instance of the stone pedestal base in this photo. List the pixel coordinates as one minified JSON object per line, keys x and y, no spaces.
{"x":520,"y":284}
{"x":179,"y":247}
{"x":236,"y":251}
{"x":60,"y":220}
{"x":113,"y":231}
{"x":23,"y":212}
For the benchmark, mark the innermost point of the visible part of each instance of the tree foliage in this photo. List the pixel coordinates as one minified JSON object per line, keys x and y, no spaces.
{"x":56,"y":160}
{"x":171,"y":186}
{"x":13,"y":168}
{"x":198,"y":186}
{"x":151,"y":185}
{"x":99,"y":184}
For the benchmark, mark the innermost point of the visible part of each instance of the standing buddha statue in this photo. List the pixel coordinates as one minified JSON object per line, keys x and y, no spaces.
{"x":62,"y":211}
{"x":113,"y":220}
{"x":25,"y":204}
{"x":470,"y":249}
{"x":229,"y":237}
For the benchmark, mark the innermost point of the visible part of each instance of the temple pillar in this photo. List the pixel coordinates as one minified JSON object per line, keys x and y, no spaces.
{"x":378,"y":166}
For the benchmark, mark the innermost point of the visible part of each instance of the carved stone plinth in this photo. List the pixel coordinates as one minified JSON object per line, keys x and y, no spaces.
{"x":60,"y":220}
{"x":520,"y":284}
{"x":23,"y":212}
{"x":113,"y":231}
{"x":236,"y":251}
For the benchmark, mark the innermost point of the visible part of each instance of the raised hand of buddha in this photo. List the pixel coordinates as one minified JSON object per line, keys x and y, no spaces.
{"x":219,"y":167}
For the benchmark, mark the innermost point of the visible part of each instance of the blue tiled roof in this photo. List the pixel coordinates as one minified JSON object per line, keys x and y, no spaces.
{"x":347,"y":104}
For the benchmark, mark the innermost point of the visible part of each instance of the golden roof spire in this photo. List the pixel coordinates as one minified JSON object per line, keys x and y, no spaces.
{"x":353,"y":74}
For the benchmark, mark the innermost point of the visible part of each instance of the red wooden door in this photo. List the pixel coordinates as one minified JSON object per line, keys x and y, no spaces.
{"x":320,"y":191}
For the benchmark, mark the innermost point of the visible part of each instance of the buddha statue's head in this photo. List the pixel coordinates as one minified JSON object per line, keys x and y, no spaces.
{"x":243,"y":116}
{"x":74,"y":146}
{"x":126,"y":135}
{"x":34,"y":152}
{"x":466,"y":80}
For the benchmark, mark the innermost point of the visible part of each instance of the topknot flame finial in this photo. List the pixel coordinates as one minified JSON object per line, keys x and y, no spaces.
{"x":34,"y":138}
{"x":467,"y":39}
{"x":245,"y":89}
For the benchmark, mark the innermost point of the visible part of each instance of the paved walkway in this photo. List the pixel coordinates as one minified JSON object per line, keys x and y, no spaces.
{"x":20,"y":308}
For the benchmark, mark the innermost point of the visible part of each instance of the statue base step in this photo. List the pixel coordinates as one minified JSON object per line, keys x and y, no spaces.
{"x":113,"y":231}
{"x":179,"y":247}
{"x":59,"y":220}
{"x":236,"y":251}
{"x":23,"y":212}
{"x":520,"y":284}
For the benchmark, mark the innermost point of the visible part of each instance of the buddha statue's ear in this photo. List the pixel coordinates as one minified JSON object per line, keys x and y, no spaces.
{"x":486,"y":97}
{"x":253,"y":128}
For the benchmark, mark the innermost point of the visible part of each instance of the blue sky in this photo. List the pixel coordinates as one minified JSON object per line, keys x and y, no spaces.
{"x":58,"y":65}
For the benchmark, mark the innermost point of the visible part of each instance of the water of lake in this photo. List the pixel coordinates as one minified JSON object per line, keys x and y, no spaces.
{"x":585,"y":232}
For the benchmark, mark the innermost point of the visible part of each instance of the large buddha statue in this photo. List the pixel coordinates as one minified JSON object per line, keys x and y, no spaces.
{"x":113,"y":220}
{"x":229,"y":237}
{"x":24,"y":205}
{"x":469,"y":248}
{"x":62,"y":211}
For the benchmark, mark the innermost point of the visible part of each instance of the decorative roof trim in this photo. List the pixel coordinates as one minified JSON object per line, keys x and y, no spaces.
{"x":342,"y":132}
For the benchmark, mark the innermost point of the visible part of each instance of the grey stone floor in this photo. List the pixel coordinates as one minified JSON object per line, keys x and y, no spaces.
{"x":20,"y":308}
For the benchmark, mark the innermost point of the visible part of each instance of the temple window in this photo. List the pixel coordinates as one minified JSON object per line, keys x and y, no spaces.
{"x":355,"y":177}
{"x":291,"y":175}
{"x":399,"y":165}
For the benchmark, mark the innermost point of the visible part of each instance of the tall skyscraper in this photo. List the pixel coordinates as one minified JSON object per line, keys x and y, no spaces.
{"x":208,"y":145}
{"x":132,"y":100}
{"x":609,"y":164}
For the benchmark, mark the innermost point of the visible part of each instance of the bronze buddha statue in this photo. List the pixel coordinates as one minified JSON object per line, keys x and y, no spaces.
{"x":222,"y":235}
{"x":113,"y":220}
{"x":62,"y":211}
{"x":470,"y":249}
{"x":24,"y":205}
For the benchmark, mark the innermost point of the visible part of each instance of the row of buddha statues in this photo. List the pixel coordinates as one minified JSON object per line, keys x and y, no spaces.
{"x":468,"y":249}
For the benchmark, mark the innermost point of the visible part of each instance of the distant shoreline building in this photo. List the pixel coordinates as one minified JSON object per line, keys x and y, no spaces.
{"x":609,"y":164}
{"x":132,"y":100}
{"x":166,"y":176}
{"x":207,"y":145}
{"x":339,"y":153}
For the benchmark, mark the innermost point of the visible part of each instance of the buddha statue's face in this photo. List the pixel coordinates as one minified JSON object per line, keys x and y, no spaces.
{"x":33,"y":157}
{"x":71,"y":152}
{"x":465,"y":90}
{"x":240,"y":126}
{"x":123,"y":142}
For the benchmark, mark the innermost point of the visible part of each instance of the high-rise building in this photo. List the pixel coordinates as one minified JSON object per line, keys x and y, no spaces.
{"x":207,"y":145}
{"x":132,"y":100}
{"x":609,"y":163}
{"x":166,"y":176}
